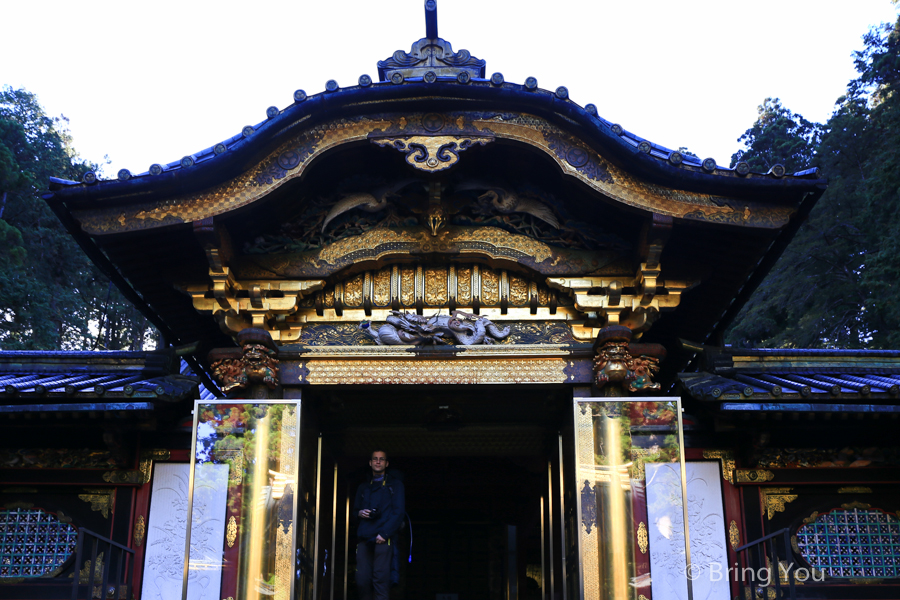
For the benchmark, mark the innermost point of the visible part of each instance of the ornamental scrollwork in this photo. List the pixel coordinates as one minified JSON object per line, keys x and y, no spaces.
{"x":775,"y":500}
{"x":432,"y":153}
{"x":643,"y":538}
{"x":231,"y":531}
{"x":734,"y":535}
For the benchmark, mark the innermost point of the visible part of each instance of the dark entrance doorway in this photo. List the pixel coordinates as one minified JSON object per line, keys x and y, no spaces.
{"x":479,"y":472}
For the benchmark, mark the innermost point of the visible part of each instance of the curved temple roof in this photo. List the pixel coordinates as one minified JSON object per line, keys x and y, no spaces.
{"x":433,"y":71}
{"x":443,"y":101}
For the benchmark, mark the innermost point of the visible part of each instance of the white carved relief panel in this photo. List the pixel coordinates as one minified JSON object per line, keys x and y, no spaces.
{"x":167,"y":526}
{"x":709,"y":557}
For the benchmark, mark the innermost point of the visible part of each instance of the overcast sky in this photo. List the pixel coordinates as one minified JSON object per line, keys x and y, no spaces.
{"x":146,"y":82}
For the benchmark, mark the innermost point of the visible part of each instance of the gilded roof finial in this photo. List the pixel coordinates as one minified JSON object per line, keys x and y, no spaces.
{"x":431,"y":57}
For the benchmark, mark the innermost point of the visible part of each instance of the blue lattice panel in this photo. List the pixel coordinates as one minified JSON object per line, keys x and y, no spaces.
{"x":33,"y":542}
{"x":852,"y":543}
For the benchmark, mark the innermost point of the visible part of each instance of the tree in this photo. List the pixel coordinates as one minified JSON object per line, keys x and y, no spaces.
{"x":778,"y":137}
{"x":51,"y":295}
{"x":836,"y":284}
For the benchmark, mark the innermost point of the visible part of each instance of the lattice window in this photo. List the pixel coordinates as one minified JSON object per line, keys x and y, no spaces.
{"x":854,"y":542}
{"x":33,"y":542}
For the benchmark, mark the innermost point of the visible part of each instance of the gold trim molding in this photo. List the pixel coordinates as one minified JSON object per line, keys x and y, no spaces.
{"x":734,"y":535}
{"x":140,"y":529}
{"x":486,"y":370}
{"x":102,"y":500}
{"x":726,"y":457}
{"x":133,"y":476}
{"x":231,"y":531}
{"x":774,"y":500}
{"x":643,"y":538}
{"x":147,"y":458}
{"x":290,"y":160}
{"x":854,"y":489}
{"x":753,"y":475}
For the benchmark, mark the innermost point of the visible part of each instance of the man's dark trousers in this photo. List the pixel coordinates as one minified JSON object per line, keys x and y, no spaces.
{"x":373,"y":570}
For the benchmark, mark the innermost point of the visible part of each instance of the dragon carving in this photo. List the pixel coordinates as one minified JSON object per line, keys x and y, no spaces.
{"x":456,"y":328}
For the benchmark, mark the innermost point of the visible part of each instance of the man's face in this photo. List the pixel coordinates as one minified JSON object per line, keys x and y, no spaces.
{"x":378,"y":462}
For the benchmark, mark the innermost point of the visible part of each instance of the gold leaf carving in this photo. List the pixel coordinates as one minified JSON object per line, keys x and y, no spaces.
{"x":353,"y":292}
{"x":643,"y":539}
{"x":408,"y":286}
{"x":727,"y":459}
{"x":146,"y":464}
{"x":487,"y":370}
{"x":140,"y":529}
{"x":464,"y":286}
{"x":436,"y":286}
{"x":775,"y":499}
{"x":84,"y":575}
{"x":101,"y":500}
{"x":382,"y":288}
{"x":231,"y":531}
{"x":854,"y":489}
{"x":432,"y":153}
{"x":518,"y":291}
{"x":753,"y":475}
{"x":851,"y":505}
{"x":490,"y":287}
{"x":734,"y":535}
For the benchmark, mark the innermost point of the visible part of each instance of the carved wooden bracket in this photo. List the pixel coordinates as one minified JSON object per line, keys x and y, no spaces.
{"x":238,"y":305}
{"x":632,"y":302}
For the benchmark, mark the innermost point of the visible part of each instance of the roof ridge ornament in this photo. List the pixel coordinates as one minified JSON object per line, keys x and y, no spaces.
{"x":431,"y":54}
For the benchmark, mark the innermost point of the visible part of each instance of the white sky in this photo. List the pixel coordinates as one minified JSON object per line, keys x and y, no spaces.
{"x":151,"y":82}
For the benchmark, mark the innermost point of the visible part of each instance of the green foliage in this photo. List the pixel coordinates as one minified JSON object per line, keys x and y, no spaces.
{"x":51,"y":295}
{"x":778,"y":137}
{"x":836,"y":285}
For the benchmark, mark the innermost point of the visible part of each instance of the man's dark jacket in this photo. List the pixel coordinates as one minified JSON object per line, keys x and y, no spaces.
{"x":388,"y":496}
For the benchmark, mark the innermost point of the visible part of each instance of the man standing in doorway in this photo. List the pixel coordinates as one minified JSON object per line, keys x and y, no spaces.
{"x":380,"y":505}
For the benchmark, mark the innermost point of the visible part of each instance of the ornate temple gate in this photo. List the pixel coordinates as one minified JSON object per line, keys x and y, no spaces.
{"x":587,"y":512}
{"x":474,"y":274}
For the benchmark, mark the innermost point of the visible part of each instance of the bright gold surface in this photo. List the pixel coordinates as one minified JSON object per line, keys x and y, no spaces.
{"x":484,"y":370}
{"x":726,"y":457}
{"x":753,"y":475}
{"x":734,"y":535}
{"x":292,"y":158}
{"x":231,"y":531}
{"x":775,"y":500}
{"x":432,"y":153}
{"x":101,"y":500}
{"x":643,"y":538}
